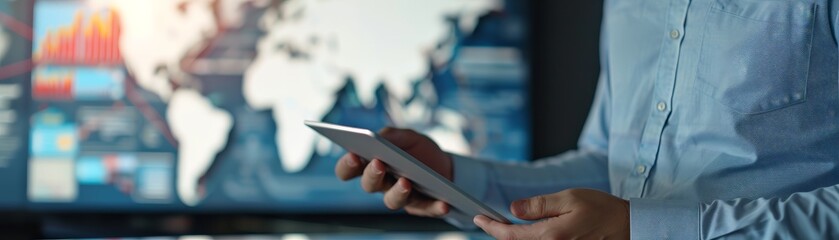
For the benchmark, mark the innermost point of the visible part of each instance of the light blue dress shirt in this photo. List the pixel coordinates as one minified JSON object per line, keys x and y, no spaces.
{"x":715,"y":118}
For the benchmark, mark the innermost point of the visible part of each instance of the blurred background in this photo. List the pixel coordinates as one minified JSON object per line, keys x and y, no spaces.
{"x":123,"y":118}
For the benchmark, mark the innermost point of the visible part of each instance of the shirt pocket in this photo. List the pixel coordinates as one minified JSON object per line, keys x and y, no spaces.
{"x":756,"y":54}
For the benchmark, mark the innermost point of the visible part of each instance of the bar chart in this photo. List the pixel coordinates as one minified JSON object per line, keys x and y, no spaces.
{"x":91,"y":39}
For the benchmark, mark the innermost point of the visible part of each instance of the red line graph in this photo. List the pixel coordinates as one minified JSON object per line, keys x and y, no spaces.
{"x":16,"y":26}
{"x":149,"y":113}
{"x":15,"y":69}
{"x":24,"y":31}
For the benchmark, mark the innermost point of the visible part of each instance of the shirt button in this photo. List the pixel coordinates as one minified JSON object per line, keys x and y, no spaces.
{"x":661,"y":106}
{"x":641,"y":169}
{"x":674,"y":34}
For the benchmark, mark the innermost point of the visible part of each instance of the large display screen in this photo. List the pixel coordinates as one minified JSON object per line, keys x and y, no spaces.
{"x":199,"y":104}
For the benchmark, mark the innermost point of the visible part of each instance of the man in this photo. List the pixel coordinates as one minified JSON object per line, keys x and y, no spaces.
{"x":712,"y":119}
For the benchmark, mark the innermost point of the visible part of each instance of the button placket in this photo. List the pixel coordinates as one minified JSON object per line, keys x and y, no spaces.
{"x":666,"y":77}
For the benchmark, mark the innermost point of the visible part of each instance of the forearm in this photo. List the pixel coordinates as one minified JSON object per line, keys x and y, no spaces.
{"x":498,"y":184}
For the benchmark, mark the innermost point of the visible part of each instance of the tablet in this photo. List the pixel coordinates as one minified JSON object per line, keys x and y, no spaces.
{"x":369,"y":145}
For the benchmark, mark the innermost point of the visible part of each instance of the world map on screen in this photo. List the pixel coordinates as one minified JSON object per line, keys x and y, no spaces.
{"x":199,"y":95}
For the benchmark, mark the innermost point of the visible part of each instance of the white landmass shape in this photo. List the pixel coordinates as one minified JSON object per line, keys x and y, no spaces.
{"x":156,"y":36}
{"x":376,"y":42}
{"x":295,"y":90}
{"x":201,"y":130}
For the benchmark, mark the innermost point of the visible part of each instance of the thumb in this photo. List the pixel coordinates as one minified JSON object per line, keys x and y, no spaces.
{"x":402,"y":138}
{"x":538,"y":207}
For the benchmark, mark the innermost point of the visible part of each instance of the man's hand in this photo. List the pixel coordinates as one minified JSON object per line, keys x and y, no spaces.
{"x":397,"y":192}
{"x":570,"y":214}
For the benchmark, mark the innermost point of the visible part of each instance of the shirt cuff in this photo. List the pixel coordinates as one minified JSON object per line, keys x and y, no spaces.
{"x":663,"y":219}
{"x":470,"y":175}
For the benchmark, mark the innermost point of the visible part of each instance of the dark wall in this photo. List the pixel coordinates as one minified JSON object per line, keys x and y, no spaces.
{"x":565,"y":68}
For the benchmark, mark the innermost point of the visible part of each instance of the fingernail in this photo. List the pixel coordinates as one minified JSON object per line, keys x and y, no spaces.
{"x":443,"y":208}
{"x":377,"y":169}
{"x":519,"y":207}
{"x":352,"y":162}
{"x":402,"y":187}
{"x":480,"y":220}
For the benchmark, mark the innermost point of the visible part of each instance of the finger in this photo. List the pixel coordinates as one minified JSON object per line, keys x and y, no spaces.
{"x":426,"y":207}
{"x":503,"y":231}
{"x":538,"y":207}
{"x":349,"y":166}
{"x":398,"y":196}
{"x":373,"y":179}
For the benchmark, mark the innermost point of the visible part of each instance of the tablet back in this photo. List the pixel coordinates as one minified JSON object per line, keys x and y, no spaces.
{"x":370,"y":145}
